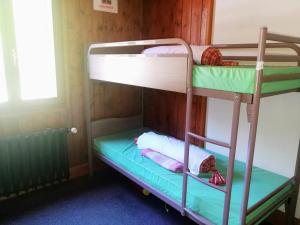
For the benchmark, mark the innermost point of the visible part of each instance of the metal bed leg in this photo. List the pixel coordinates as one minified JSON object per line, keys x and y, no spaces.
{"x":186,"y":147}
{"x":230,"y":169}
{"x":88,"y":112}
{"x":188,"y":115}
{"x":253,"y":124}
{"x":290,"y":206}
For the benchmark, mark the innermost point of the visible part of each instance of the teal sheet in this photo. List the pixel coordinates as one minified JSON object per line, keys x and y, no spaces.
{"x":242,"y":79}
{"x":202,"y":199}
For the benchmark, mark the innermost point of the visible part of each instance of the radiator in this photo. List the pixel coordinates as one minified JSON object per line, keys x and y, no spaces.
{"x":29,"y":161}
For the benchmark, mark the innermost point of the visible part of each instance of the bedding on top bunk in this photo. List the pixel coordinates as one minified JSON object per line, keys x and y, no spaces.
{"x":121,"y":149}
{"x":211,"y":72}
{"x":241,"y":79}
{"x":202,"y":54}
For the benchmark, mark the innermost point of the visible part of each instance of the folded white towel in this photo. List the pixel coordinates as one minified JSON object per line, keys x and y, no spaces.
{"x":173,"y":148}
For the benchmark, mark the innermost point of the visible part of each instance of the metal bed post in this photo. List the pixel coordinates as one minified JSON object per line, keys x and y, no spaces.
{"x":230,"y":169}
{"x":290,"y":206}
{"x":86,"y":80}
{"x":189,"y":100}
{"x":254,"y":122}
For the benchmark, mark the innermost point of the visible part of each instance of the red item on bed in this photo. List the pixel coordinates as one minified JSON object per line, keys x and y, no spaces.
{"x":229,"y":63}
{"x":211,"y":56}
{"x":217,"y":178}
{"x":208,"y":165}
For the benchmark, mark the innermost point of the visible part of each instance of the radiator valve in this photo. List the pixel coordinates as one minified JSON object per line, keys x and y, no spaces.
{"x":74,"y":130}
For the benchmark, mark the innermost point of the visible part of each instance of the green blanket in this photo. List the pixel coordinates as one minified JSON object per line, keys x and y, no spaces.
{"x":204,"y":200}
{"x":241,"y":78}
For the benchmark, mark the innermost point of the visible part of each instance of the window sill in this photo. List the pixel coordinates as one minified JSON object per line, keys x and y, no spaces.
{"x":8,"y":109}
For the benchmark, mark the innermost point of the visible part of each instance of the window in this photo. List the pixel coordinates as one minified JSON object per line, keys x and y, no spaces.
{"x":3,"y":91}
{"x":32,"y":52}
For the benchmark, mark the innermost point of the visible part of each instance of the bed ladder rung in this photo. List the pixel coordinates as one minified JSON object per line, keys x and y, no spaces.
{"x":212,"y":141}
{"x":206,"y":183}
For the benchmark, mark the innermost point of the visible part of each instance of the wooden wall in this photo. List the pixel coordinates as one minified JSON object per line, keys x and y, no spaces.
{"x":80,"y":25}
{"x":190,"y":20}
{"x":84,"y":25}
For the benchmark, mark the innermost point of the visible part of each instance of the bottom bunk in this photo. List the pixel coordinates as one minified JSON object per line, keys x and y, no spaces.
{"x":120,"y":151}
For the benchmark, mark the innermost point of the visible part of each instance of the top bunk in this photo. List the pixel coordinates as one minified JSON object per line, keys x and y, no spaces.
{"x":127,"y":63}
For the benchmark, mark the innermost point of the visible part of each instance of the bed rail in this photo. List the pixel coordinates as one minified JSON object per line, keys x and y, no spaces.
{"x":171,"y":72}
{"x":154,"y":42}
{"x":292,"y":46}
{"x":269,"y":196}
{"x":282,"y":38}
{"x":280,"y":77}
{"x":268,"y":58}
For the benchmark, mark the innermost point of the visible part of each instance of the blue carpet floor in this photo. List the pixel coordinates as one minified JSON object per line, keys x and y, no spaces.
{"x":100,"y":200}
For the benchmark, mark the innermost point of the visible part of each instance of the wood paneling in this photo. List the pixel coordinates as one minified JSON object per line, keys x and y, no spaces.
{"x":190,"y":20}
{"x":81,"y":25}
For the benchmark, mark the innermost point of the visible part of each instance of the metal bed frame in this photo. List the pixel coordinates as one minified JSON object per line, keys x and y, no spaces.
{"x":253,"y":105}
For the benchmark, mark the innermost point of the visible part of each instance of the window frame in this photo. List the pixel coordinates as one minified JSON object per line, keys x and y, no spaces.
{"x":15,"y":104}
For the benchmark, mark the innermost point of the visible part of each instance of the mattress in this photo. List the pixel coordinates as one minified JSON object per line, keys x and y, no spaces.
{"x":204,"y":200}
{"x":242,"y":79}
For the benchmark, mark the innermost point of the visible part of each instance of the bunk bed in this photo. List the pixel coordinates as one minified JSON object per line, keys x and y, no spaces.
{"x":251,"y":194}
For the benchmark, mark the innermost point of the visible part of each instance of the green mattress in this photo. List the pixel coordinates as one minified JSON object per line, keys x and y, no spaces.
{"x":241,"y":79}
{"x":206,"y":201}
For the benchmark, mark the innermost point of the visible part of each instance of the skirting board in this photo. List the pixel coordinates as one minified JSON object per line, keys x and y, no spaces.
{"x":83,"y":170}
{"x":79,"y":171}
